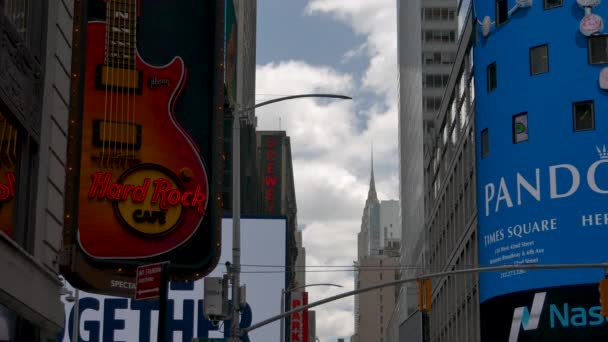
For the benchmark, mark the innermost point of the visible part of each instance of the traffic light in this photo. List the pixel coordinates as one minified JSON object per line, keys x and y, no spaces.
{"x":425,"y":288}
{"x":429,"y":290}
{"x":420,"y":295}
{"x":604,"y":296}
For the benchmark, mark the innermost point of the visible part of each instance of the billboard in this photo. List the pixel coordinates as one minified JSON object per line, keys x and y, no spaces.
{"x":272,"y":166}
{"x":542,"y":180}
{"x":565,"y":313}
{"x":550,"y":210}
{"x":106,"y":319}
{"x":144,"y":138}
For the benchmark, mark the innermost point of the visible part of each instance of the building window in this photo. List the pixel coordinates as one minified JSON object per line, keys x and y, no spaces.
{"x":17,"y":11}
{"x":502,"y":12}
{"x":597,"y":52}
{"x":485,"y":143}
{"x":520,"y":128}
{"x":436,"y":81}
{"x":432,"y":103}
{"x":539,"y":59}
{"x":18,"y":167}
{"x":8,"y":164}
{"x":29,"y":19}
{"x":549,"y":4}
{"x":583,"y":116}
{"x":491,"y":77}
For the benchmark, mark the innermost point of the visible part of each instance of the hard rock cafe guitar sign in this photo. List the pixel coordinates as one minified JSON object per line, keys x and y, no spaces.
{"x":143,"y":180}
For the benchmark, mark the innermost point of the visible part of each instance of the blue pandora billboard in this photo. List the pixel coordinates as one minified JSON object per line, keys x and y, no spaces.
{"x":541,"y":136}
{"x":544,"y":211}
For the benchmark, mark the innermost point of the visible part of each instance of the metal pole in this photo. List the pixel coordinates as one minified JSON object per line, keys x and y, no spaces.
{"x":162,"y":305}
{"x":531,"y":267}
{"x":282,"y":319}
{"x":76,"y":316}
{"x":236,"y":222}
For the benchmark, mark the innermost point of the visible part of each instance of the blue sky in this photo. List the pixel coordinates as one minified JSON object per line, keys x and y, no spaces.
{"x":343,"y":47}
{"x":286,"y":32}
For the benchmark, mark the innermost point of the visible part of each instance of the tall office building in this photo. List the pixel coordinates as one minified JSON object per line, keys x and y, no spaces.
{"x":277,"y":191}
{"x":425,"y":64}
{"x":240,"y":67}
{"x":431,"y":153}
{"x":35,"y":59}
{"x":450,"y":206}
{"x":377,"y":262}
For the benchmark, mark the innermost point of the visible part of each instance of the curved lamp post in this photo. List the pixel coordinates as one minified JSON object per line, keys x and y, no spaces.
{"x":235,"y":268}
{"x":283,"y":292}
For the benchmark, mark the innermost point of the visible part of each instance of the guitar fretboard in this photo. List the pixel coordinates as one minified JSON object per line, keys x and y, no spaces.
{"x":121,"y":19}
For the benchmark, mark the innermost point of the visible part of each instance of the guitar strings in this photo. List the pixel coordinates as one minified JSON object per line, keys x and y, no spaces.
{"x":134,"y":40}
{"x":129,"y":50}
{"x":105,"y":76}
{"x":121,"y":68}
{"x":133,"y":50}
{"x":114,"y":54}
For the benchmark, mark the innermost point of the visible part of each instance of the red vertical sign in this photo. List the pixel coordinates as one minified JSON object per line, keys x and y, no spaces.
{"x":272,"y":146}
{"x":299,"y":320}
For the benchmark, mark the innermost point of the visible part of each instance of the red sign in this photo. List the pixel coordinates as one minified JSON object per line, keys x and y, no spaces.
{"x":148,"y":281}
{"x":299,"y":320}
{"x":271,"y":170}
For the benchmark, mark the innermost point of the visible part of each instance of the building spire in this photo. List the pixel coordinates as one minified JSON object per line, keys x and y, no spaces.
{"x":371,"y":195}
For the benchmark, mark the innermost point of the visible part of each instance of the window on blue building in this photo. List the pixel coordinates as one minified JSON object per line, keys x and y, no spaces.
{"x":520,"y":128}
{"x":549,"y":4}
{"x":597,"y":49}
{"x":502,"y":12}
{"x":583,"y":116}
{"x":539,"y":59}
{"x":491,"y":77}
{"x":485,"y":143}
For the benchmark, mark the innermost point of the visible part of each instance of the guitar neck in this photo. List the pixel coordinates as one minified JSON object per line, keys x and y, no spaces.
{"x":121,"y":19}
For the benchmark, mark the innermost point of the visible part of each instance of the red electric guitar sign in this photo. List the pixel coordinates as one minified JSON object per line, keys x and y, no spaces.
{"x":143,"y":184}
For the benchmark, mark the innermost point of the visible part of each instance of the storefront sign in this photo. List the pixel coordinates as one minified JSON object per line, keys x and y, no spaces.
{"x":145,"y":138}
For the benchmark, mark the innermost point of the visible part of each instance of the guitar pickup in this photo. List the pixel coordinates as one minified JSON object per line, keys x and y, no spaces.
{"x":114,"y":133}
{"x":118,"y":79}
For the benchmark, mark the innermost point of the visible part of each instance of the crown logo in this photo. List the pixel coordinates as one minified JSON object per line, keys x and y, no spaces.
{"x":603,"y":153}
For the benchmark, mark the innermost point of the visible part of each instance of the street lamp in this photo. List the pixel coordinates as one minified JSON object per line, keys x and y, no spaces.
{"x":283,"y":292}
{"x":235,"y":268}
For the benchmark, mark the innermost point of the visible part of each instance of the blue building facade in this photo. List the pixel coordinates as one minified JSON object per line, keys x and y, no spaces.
{"x":542,"y":166}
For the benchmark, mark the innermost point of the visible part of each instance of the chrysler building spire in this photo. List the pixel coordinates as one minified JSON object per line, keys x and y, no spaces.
{"x":371,"y":195}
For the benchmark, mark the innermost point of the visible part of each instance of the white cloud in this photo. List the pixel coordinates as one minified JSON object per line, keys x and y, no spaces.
{"x":331,"y":153}
{"x":377,"y":21}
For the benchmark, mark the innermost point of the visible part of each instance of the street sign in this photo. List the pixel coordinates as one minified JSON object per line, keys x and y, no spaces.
{"x":148,"y":281}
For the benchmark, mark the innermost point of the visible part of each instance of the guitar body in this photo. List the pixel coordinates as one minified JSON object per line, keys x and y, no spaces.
{"x":143,"y":185}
